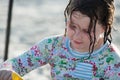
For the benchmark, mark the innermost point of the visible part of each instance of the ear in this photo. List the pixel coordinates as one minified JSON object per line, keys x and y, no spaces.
{"x":67,"y":23}
{"x":65,"y":32}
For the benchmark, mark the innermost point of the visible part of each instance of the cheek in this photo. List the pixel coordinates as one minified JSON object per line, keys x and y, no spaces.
{"x":70,"y":32}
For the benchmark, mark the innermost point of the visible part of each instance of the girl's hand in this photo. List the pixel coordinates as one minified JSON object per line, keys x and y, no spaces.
{"x":5,"y":75}
{"x":9,"y":75}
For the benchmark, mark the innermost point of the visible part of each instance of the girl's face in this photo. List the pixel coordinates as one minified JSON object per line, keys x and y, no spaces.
{"x":77,"y":32}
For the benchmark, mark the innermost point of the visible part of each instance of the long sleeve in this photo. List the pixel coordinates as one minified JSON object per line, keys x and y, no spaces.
{"x":112,"y":72}
{"x":36,"y":56}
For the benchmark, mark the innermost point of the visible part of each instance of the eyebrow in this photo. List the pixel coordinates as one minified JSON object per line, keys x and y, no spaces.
{"x":84,"y":28}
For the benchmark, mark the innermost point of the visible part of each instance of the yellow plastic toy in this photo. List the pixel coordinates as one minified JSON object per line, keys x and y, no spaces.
{"x":15,"y":76}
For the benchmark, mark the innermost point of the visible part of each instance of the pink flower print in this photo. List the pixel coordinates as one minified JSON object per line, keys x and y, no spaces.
{"x":109,"y":73}
{"x":117,"y":65}
{"x":19,"y":62}
{"x":62,"y":56}
{"x":64,"y":48}
{"x":74,"y":59}
{"x":5,"y":64}
{"x":41,"y":62}
{"x":36,"y":50}
{"x":119,"y":74}
{"x":34,"y":47}
{"x":53,"y":65}
{"x":111,"y":49}
{"x":72,"y":69}
{"x":67,"y":75}
{"x":94,"y":69}
{"x":107,"y":69}
{"x":29,"y":62}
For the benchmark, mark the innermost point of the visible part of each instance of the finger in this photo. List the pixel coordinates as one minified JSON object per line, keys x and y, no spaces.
{"x":5,"y":74}
{"x":10,"y":76}
{"x":2,"y":75}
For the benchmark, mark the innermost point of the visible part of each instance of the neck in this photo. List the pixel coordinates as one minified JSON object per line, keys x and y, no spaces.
{"x":98,"y":44}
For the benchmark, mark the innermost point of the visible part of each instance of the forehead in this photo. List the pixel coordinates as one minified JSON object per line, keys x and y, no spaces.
{"x":80,"y":19}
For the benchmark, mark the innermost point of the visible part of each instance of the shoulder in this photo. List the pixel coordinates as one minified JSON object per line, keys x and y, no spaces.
{"x":114,"y":49}
{"x":114,"y":52}
{"x":52,"y":39}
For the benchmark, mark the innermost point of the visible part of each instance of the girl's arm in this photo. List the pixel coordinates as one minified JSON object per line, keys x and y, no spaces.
{"x":112,"y":72}
{"x":29,"y":60}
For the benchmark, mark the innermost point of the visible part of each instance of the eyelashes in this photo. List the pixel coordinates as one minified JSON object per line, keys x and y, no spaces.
{"x":72,"y":26}
{"x":75,"y":28}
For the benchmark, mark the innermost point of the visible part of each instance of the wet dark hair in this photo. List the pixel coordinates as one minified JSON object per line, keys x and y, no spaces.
{"x":97,"y":10}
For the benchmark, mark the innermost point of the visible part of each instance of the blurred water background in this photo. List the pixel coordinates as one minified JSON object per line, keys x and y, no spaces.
{"x":33,"y":20}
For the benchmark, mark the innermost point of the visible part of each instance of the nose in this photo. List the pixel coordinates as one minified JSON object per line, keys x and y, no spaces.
{"x":78,"y":34}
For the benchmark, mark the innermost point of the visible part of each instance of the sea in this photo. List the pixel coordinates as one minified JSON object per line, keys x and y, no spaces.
{"x":33,"y":20}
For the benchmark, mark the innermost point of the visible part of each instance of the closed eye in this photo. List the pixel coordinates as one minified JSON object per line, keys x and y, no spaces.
{"x":72,"y":26}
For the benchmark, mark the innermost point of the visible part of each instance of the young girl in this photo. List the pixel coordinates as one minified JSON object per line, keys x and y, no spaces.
{"x":85,"y":52}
